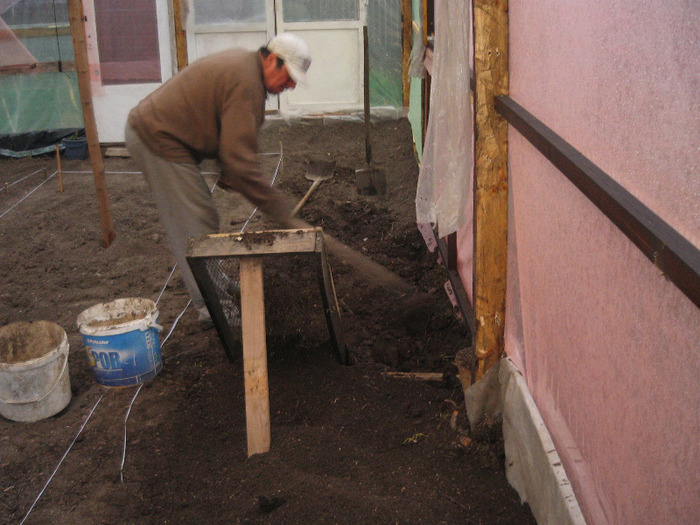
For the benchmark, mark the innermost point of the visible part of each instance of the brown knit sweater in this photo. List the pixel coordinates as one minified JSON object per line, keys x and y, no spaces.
{"x":213,"y":109}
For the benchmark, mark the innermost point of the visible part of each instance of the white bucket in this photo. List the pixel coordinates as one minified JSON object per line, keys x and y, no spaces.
{"x":121,"y":341}
{"x":34,"y":378}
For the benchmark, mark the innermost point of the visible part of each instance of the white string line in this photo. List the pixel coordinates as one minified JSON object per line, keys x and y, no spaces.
{"x":88,"y":172}
{"x":274,"y":178}
{"x":63,"y":458}
{"x":126,"y":418}
{"x":172,"y":328}
{"x":166,"y":284}
{"x":27,"y":195}
{"x":7,"y":186}
{"x":177,"y":320}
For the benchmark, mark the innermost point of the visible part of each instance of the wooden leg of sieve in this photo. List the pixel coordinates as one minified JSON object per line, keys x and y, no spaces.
{"x":257,"y":395}
{"x":60,"y":173}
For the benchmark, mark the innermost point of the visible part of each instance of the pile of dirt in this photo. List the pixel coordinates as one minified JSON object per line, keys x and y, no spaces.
{"x":350,"y":444}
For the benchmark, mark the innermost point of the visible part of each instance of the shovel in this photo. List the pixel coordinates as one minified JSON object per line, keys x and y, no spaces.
{"x":317,"y":172}
{"x":369,"y":181}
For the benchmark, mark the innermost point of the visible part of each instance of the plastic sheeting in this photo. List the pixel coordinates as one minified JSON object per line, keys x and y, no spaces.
{"x":444,"y":181}
{"x":385,"y":52}
{"x":36,"y":109}
{"x":608,"y":347}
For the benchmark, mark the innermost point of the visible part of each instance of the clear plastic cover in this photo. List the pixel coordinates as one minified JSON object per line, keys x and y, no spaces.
{"x":444,"y":182}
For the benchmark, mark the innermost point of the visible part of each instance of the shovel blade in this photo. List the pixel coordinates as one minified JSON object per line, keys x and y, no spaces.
{"x":370,"y":181}
{"x":320,"y":170}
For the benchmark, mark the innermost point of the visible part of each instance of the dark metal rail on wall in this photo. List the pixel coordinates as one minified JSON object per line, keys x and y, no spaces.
{"x":672,"y":253}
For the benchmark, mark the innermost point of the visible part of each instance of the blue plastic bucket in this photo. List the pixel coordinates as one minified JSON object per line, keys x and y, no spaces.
{"x":75,"y":148}
{"x":121,"y":340}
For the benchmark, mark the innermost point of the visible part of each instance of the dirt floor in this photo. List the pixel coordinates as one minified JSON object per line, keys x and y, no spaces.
{"x":350,"y":444}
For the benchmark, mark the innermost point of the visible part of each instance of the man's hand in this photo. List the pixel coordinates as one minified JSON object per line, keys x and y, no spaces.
{"x":221,"y":183}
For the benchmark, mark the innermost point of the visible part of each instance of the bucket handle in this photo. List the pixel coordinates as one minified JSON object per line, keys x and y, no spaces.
{"x":54,"y":385}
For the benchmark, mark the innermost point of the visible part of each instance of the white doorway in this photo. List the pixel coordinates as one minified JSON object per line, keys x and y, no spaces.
{"x":331,"y":28}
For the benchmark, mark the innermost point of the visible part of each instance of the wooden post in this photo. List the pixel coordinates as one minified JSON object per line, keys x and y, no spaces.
{"x":60,"y":173}
{"x":491,"y":180}
{"x":77,"y":27}
{"x":257,"y":396}
{"x":179,"y":21}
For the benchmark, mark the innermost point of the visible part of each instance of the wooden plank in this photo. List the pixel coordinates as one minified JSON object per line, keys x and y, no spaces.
{"x":257,"y":397}
{"x":179,"y":18}
{"x":76,"y":16}
{"x":38,"y":67}
{"x":491,"y":181}
{"x":117,"y":152}
{"x":50,"y":31}
{"x":60,"y":172}
{"x":674,"y":255}
{"x":417,"y":376}
{"x":266,"y":242}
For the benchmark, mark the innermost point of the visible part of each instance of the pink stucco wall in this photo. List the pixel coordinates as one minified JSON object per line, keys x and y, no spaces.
{"x":609,"y":348}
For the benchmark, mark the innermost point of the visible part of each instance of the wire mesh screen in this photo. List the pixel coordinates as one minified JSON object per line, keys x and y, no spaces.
{"x":222,"y":272}
{"x":217,"y":279}
{"x":215,"y":264}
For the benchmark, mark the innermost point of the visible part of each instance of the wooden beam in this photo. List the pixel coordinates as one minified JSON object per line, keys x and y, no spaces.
{"x":673,"y":254}
{"x":38,"y":67}
{"x":60,"y":172}
{"x":417,"y":376}
{"x":265,"y":242}
{"x":257,"y":394}
{"x":179,"y":21}
{"x":491,"y":180}
{"x":50,"y":31}
{"x":77,"y":21}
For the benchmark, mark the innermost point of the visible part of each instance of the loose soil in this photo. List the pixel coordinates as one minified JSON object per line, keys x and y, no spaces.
{"x":350,"y":444}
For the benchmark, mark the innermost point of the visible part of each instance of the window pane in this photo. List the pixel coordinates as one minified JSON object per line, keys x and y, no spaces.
{"x":228,"y":12}
{"x":127,"y":38}
{"x":319,"y":10}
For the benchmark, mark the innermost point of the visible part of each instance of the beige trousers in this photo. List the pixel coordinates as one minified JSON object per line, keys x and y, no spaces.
{"x":184,"y":203}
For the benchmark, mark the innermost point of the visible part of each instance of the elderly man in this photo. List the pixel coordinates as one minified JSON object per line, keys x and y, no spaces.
{"x":213,"y":108}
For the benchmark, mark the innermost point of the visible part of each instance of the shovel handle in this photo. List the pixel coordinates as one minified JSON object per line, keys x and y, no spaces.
{"x":306,"y":197}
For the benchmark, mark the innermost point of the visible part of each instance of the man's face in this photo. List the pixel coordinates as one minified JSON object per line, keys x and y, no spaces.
{"x":277,"y":79}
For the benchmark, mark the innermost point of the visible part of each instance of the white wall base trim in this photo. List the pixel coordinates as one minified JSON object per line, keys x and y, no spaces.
{"x":533,"y":466}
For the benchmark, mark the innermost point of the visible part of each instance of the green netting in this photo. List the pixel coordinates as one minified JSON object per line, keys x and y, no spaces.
{"x":39,"y":102}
